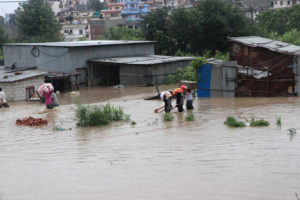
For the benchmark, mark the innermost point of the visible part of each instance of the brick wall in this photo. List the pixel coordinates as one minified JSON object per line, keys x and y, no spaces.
{"x":16,"y":91}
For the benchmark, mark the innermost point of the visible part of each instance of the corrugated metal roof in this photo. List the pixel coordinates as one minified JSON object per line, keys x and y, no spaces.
{"x":272,"y":45}
{"x":141,"y":60}
{"x":80,"y":43}
{"x":25,"y":75}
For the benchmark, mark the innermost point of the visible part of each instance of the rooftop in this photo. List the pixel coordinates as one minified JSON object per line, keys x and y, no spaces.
{"x":12,"y":77}
{"x":272,"y":45}
{"x":80,"y":43}
{"x":141,"y":60}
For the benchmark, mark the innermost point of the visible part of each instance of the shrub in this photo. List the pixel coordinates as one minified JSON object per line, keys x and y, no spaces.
{"x":87,"y":115}
{"x":190,"y":117}
{"x":133,"y":123}
{"x":168,"y":117}
{"x":260,"y":122}
{"x":232,"y":122}
{"x":278,"y":121}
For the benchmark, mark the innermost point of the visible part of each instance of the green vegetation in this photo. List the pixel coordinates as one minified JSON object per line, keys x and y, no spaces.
{"x":292,"y":131}
{"x":278,"y":121}
{"x":37,"y":23}
{"x":190,"y":117}
{"x":232,"y":122}
{"x":168,"y":117}
{"x":196,"y":30}
{"x":133,"y":123}
{"x":88,"y":115}
{"x":260,"y":122}
{"x":189,"y":73}
{"x":120,"y":33}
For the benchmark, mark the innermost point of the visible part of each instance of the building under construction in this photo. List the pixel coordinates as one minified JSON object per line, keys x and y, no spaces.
{"x":266,"y":67}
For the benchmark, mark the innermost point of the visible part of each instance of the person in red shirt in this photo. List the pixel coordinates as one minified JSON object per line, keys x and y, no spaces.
{"x":179,"y":94}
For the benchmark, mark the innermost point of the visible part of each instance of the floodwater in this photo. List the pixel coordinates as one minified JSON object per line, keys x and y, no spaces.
{"x":154,"y":159}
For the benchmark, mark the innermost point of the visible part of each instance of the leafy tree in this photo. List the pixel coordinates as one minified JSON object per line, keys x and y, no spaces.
{"x":280,"y":20}
{"x":292,"y":37}
{"x":37,"y":23}
{"x":196,"y":30}
{"x":155,"y":28}
{"x":95,"y":5}
{"x":119,"y":33}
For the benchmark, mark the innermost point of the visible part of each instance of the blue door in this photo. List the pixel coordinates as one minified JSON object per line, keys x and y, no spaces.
{"x":204,"y":76}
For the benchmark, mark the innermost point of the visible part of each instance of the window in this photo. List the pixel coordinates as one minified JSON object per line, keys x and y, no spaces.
{"x":281,"y":3}
{"x":29,"y":92}
{"x":80,"y":32}
{"x":87,"y":35}
{"x":288,"y":2}
{"x":116,"y":8}
{"x":70,"y":32}
{"x":66,"y":31}
{"x":275,"y":2}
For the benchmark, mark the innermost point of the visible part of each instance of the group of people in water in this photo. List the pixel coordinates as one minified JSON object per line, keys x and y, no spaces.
{"x":179,"y":93}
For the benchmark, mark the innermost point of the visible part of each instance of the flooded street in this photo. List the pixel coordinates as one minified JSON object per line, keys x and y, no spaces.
{"x":154,"y":159}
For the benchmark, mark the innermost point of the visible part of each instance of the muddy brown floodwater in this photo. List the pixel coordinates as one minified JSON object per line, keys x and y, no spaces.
{"x":154,"y":159}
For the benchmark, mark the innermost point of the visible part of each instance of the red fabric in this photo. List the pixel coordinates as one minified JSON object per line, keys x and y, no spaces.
{"x":183,"y":87}
{"x":177,"y":90}
{"x":48,"y":99}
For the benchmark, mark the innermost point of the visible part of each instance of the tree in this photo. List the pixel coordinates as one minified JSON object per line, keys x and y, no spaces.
{"x":280,"y":20}
{"x":95,"y":5}
{"x":120,"y":33}
{"x":37,"y":23}
{"x":155,"y":27}
{"x":196,"y":30}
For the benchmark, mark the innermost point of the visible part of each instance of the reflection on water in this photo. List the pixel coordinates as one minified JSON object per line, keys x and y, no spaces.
{"x":153,"y":159}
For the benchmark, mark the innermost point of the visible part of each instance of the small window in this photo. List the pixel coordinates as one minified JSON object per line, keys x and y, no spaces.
{"x":80,"y":32}
{"x":281,"y":3}
{"x":71,"y":31}
{"x":87,"y":35}
{"x":275,"y":2}
{"x":116,"y":8}
{"x":289,"y":3}
{"x":29,"y":92}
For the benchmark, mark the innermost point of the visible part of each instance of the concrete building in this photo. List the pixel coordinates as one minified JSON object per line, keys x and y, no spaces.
{"x":20,"y":85}
{"x":86,"y":59}
{"x":73,"y":32}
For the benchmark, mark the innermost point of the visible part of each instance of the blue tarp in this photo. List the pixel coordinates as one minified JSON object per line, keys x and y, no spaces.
{"x":204,"y":77}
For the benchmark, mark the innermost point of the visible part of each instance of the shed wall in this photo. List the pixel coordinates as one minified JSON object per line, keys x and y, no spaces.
{"x":62,"y":59}
{"x":16,"y":91}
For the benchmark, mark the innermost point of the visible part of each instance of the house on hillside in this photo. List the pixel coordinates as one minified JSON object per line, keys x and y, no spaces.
{"x":284,"y":3}
{"x":267,"y":67}
{"x":97,"y":62}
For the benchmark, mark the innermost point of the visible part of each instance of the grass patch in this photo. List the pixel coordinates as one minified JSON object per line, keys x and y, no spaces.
{"x":168,"y":117}
{"x":232,"y":122}
{"x":278,"y":121}
{"x":260,"y":122}
{"x":292,"y":131}
{"x":190,"y":117}
{"x":87,"y":115}
{"x":133,"y":123}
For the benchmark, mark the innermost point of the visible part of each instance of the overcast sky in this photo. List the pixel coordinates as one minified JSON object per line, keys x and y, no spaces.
{"x":8,"y":8}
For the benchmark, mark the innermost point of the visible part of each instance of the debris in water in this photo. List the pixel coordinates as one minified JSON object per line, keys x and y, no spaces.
{"x":232,"y":122}
{"x":30,"y":121}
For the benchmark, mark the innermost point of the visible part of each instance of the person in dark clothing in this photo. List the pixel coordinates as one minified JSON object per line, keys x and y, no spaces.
{"x":167,"y":98}
{"x":178,"y":93}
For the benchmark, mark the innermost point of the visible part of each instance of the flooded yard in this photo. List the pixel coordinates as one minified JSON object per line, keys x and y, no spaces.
{"x":202,"y":159}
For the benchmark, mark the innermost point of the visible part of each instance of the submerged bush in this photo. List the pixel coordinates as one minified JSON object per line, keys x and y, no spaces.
{"x":168,"y":117}
{"x":232,"y":122}
{"x":87,"y":115}
{"x":190,"y":117}
{"x":260,"y":122}
{"x":278,"y":121}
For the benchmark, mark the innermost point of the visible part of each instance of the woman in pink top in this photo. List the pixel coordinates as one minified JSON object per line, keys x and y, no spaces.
{"x":48,"y":99}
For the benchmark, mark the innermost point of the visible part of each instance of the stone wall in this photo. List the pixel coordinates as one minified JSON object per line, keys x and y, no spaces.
{"x":16,"y":91}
